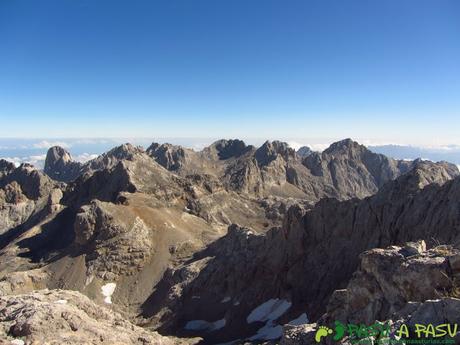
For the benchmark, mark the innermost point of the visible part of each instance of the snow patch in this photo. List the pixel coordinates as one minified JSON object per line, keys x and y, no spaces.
{"x":107,"y":291}
{"x":17,"y":342}
{"x":202,"y":325}
{"x":61,"y":301}
{"x":268,"y":332}
{"x":301,"y":320}
{"x":269,"y":311}
{"x":226,"y":299}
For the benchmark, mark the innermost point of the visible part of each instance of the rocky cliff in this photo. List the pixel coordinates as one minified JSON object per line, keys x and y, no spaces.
{"x":397,"y":285}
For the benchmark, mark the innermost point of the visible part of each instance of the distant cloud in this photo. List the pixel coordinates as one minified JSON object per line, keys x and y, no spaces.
{"x":44,"y":144}
{"x":84,"y":157}
{"x":38,"y":160}
{"x":295,"y":145}
{"x":315,"y":147}
{"x":199,"y":146}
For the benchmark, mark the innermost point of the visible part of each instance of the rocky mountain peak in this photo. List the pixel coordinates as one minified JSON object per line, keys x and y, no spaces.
{"x":57,"y":153}
{"x":5,"y":167}
{"x":304,"y":151}
{"x":167,"y":155}
{"x":125,"y":151}
{"x":344,"y":146}
{"x":422,"y":174}
{"x":32,"y":182}
{"x":270,"y":150}
{"x":225,"y":149}
{"x":59,"y":164}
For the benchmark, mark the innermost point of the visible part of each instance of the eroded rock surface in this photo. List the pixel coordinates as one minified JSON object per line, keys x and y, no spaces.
{"x":396,"y":285}
{"x":24,"y":192}
{"x":68,"y":317}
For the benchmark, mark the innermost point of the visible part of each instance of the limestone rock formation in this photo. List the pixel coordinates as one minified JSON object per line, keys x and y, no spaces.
{"x":225,"y":149}
{"x":68,"y":317}
{"x":24,"y":192}
{"x":171,"y":157}
{"x":388,"y":279}
{"x":343,"y":171}
{"x":309,"y":247}
{"x":304,"y":151}
{"x":399,"y":284}
{"x":60,"y":166}
{"x":5,"y":167}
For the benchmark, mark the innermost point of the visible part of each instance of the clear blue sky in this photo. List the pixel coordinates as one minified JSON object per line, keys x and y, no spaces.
{"x":387,"y":70}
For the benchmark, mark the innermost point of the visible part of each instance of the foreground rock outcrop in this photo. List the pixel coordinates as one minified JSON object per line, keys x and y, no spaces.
{"x":68,"y":317}
{"x":398,"y":285}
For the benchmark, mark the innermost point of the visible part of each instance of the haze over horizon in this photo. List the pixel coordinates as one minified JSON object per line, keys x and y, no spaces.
{"x":388,"y":71}
{"x":34,"y":151}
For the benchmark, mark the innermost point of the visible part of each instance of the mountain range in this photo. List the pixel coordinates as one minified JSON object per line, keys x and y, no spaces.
{"x":231,"y":244}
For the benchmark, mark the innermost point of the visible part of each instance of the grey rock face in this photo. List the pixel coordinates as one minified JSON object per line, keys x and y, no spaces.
{"x":169,"y":156}
{"x":304,"y":151}
{"x":117,"y":248}
{"x":269,"y":151}
{"x":59,"y":316}
{"x":225,"y":149}
{"x":60,"y":166}
{"x":353,"y":170}
{"x":24,"y":192}
{"x":395,"y":287}
{"x":387,"y":279}
{"x":5,"y":167}
{"x":343,"y":171}
{"x":335,"y":230}
{"x":311,"y":246}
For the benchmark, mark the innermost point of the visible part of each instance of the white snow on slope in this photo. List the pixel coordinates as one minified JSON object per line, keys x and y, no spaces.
{"x":301,"y":320}
{"x":270,"y":331}
{"x":61,"y":301}
{"x":269,"y":311}
{"x":17,"y":342}
{"x":202,"y":325}
{"x":107,"y":291}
